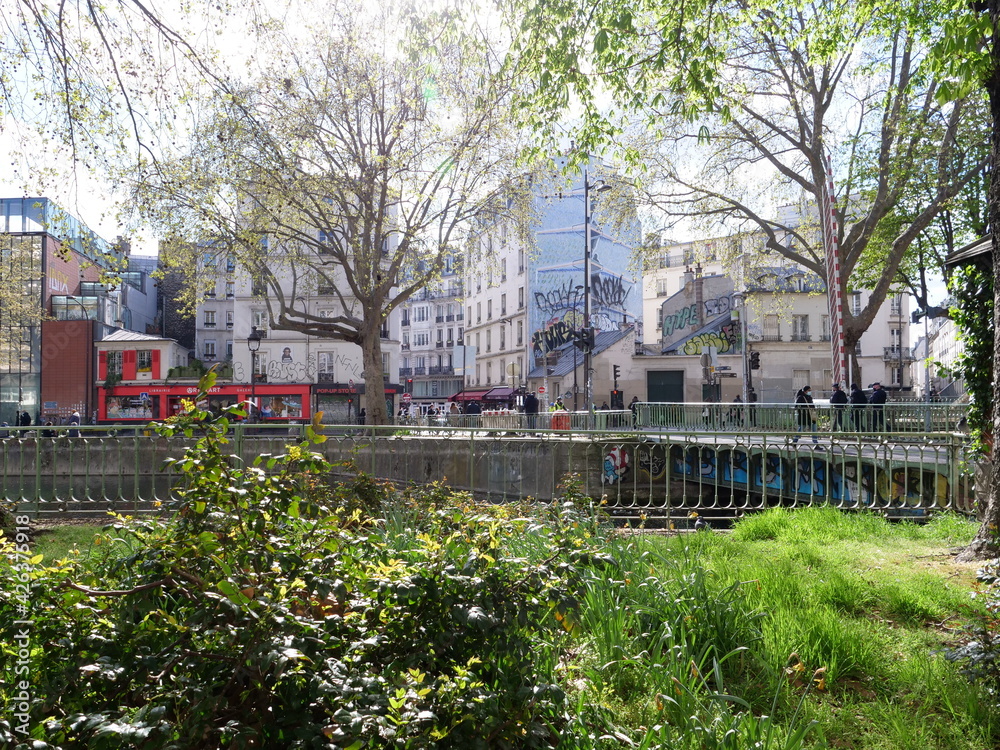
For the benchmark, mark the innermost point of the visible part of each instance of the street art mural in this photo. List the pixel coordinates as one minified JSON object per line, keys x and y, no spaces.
{"x":556,"y":302}
{"x":774,"y":477}
{"x":699,"y":316}
{"x":616,"y":463}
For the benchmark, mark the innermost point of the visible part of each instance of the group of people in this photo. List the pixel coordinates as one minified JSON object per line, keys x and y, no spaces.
{"x":865,"y":412}
{"x":23,"y":419}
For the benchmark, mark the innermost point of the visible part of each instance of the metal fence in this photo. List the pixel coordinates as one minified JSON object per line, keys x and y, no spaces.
{"x":657,"y":474}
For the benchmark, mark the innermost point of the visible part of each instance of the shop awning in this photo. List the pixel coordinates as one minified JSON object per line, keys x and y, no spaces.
{"x":476,"y":395}
{"x":500,"y":393}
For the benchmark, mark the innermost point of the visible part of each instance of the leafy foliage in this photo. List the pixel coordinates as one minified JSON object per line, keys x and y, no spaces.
{"x":973,"y":288}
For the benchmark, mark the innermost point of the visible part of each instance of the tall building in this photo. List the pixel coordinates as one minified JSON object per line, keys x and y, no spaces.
{"x":67,"y":276}
{"x":524,"y":304}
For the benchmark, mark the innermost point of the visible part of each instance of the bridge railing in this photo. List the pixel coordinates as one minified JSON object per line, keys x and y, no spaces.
{"x":893,"y":417}
{"x":656,"y":475}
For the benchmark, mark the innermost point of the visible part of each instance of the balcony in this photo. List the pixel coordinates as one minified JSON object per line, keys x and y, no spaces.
{"x":419,"y":370}
{"x":449,"y":318}
{"x":771,"y":337}
{"x":443,"y":370}
{"x":896,"y":354}
{"x":460,"y":316}
{"x":406,"y":322}
{"x":801,"y":337}
{"x":405,"y":347}
{"x":325,"y":377}
{"x":449,"y":343}
{"x":405,"y":372}
{"x":824,"y":337}
{"x":260,"y":377}
{"x":439,"y":345}
{"x":206,"y":324}
{"x":439,"y":319}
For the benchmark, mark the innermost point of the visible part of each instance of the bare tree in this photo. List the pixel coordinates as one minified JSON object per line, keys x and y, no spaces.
{"x":351,"y":170}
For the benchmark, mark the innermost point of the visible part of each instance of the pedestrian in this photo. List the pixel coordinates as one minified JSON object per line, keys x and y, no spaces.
{"x":557,"y":405}
{"x":858,"y":401}
{"x":605,"y":407}
{"x":752,"y":399}
{"x":877,"y":401}
{"x":25,"y":419}
{"x":531,"y":410}
{"x":74,"y":422}
{"x":736,"y":411}
{"x":838,"y":400}
{"x":49,"y":433}
{"x":362,"y":416}
{"x":634,"y":408}
{"x":805,"y":413}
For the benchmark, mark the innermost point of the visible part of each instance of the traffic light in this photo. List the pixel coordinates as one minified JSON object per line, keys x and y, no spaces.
{"x":617,"y":371}
{"x":754,"y":360}
{"x":409,"y":385}
{"x":584,"y":339}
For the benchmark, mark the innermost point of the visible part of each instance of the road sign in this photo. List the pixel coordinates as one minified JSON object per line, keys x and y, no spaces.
{"x":723,"y":367}
{"x":726,"y":374}
{"x":541,"y":389}
{"x":406,"y":398}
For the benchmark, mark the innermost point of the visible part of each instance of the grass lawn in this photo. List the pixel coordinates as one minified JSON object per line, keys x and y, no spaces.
{"x":872,"y":605}
{"x":811,"y":615}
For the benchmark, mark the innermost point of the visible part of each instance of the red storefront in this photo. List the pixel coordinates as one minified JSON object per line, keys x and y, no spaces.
{"x":141,"y":403}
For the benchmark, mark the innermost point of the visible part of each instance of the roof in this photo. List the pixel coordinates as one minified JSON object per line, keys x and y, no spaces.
{"x":470,"y":395}
{"x":123,"y":335}
{"x":567,"y":362}
{"x":981,"y":249}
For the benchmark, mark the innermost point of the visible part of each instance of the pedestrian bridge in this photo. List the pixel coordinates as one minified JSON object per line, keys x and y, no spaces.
{"x":656,"y":466}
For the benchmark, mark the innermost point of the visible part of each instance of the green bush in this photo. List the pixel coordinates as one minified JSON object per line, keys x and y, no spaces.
{"x":276,"y":608}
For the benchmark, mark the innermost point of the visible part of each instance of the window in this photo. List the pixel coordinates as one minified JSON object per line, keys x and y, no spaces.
{"x":489,"y":373}
{"x":114,"y":363}
{"x":800,"y":379}
{"x":896,"y":305}
{"x":489,"y":345}
{"x":230,"y":289}
{"x":520,"y":333}
{"x":479,"y":312}
{"x":208,"y":350}
{"x":856,"y":303}
{"x":661,"y":287}
{"x":520,"y":298}
{"x":259,"y":319}
{"x":385,"y":362}
{"x":800,"y":328}
{"x":503,"y":270}
{"x":503,"y":370}
{"x":421,"y":339}
{"x":478,"y":349}
{"x":229,"y":319}
{"x":327,"y":313}
{"x":520,"y":260}
{"x":489,"y":309}
{"x":896,"y":376}
{"x":261,"y":368}
{"x":144,"y":361}
{"x":503,"y":304}
{"x":503,"y":337}
{"x":772,"y":328}
{"x":325,"y":362}
{"x":209,"y":318}
{"x":896,"y":338}
{"x":659,"y":318}
{"x":210,"y":292}
{"x":208,"y":260}
{"x":420,"y":313}
{"x":230,"y":265}
{"x":229,"y":348}
{"x":470,"y":312}
{"x":824,"y":323}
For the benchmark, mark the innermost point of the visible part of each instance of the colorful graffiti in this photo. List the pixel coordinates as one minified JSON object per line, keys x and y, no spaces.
{"x":615,"y":466}
{"x":688,"y":316}
{"x":552,"y":337}
{"x":726,"y":341}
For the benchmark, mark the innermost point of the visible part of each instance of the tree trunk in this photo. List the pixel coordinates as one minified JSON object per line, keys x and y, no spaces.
{"x":985,"y":543}
{"x":374,"y":401}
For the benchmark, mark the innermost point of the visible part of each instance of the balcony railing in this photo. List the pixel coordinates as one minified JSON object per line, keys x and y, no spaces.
{"x":449,"y":318}
{"x":801,"y":337}
{"x":771,"y":337}
{"x":896,"y":354}
{"x":439,"y":345}
{"x":442,"y":370}
{"x":405,"y":372}
{"x":406,"y":322}
{"x":419,"y":370}
{"x":439,"y":319}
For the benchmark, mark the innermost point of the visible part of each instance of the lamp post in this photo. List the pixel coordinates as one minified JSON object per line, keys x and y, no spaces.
{"x":741,"y":307}
{"x":253,"y":344}
{"x":588,"y":377}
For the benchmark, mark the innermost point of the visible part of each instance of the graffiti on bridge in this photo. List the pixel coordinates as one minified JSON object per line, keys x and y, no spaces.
{"x":688,"y":316}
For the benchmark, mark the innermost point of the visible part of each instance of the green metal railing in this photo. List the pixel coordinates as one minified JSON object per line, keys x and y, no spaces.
{"x":657,"y":474}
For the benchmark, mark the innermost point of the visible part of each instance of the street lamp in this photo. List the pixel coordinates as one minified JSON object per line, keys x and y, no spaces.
{"x":588,"y":378}
{"x":742,"y":307}
{"x":253,"y":344}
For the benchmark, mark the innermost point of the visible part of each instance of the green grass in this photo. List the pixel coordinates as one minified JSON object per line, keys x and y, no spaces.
{"x":872,"y":604}
{"x":56,"y":542}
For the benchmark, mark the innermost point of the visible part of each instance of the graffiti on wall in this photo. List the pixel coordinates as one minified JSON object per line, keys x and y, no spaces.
{"x":688,"y":316}
{"x":725,"y":340}
{"x":560,"y":299}
{"x":552,"y":337}
{"x":562,"y":306}
{"x":289,"y":370}
{"x":608,"y":291}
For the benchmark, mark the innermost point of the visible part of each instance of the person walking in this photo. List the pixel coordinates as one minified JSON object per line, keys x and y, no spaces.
{"x":74,"y":422}
{"x":838,"y":400}
{"x":805,"y":413}
{"x":531,"y":410}
{"x":25,"y":419}
{"x":858,"y":401}
{"x":736,"y":411}
{"x":752,"y":401}
{"x":877,"y":402}
{"x":633,"y":407}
